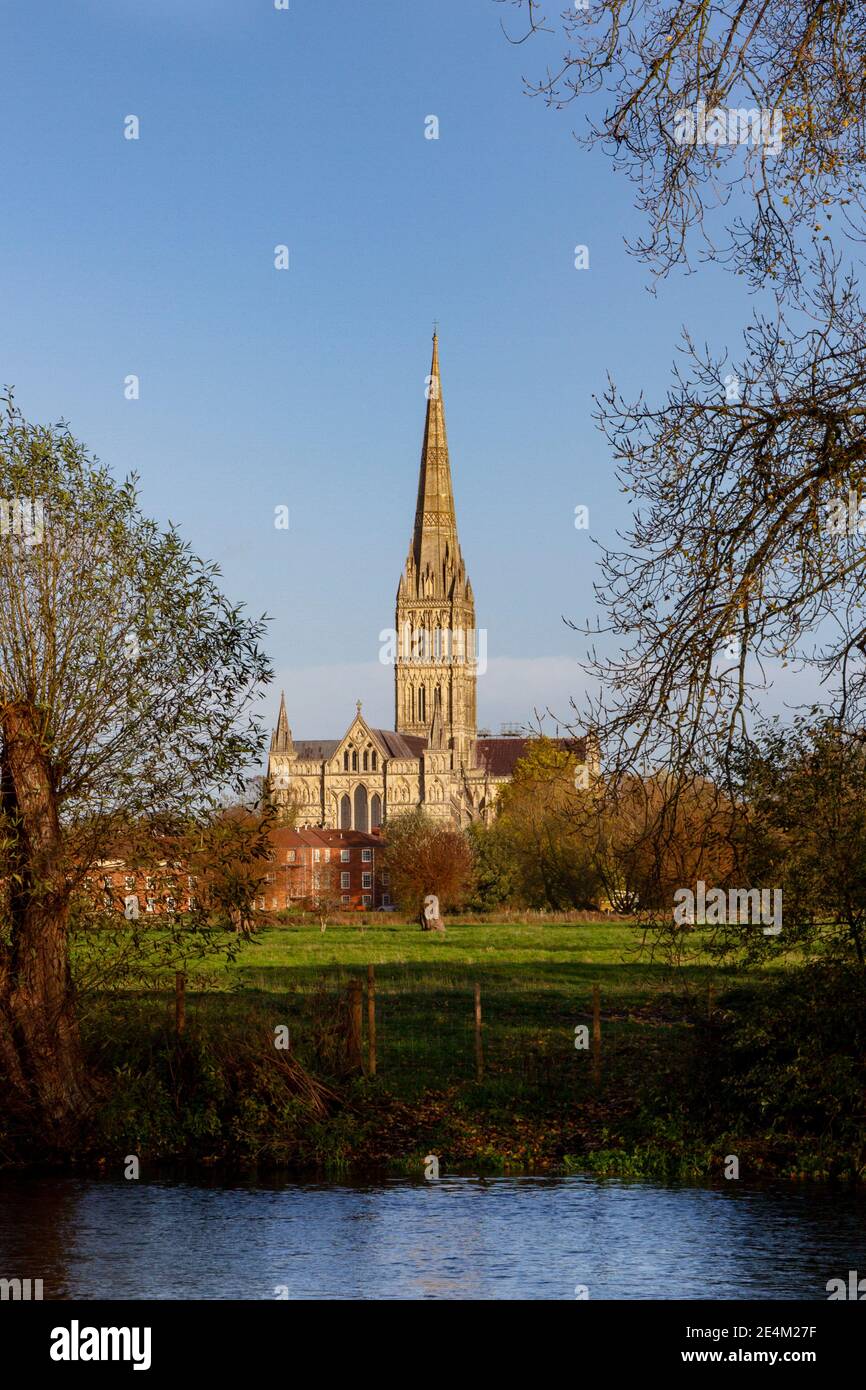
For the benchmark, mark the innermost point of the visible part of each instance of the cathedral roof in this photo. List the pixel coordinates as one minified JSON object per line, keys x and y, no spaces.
{"x":499,"y":756}
{"x":401,"y":745}
{"x":320,"y":750}
{"x":316,"y":750}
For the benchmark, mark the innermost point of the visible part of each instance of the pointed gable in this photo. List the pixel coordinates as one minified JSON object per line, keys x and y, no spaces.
{"x":358,"y":735}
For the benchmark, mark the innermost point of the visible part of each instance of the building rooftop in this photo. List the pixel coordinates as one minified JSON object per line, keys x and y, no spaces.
{"x":320,"y":750}
{"x":287,"y":837}
{"x":500,"y":755}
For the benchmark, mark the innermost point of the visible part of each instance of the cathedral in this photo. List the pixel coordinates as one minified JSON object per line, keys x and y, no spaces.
{"x":433,"y":759}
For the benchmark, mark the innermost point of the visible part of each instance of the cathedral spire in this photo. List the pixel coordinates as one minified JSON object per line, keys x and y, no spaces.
{"x":435,"y":548}
{"x":281,"y":738}
{"x":434,"y":678}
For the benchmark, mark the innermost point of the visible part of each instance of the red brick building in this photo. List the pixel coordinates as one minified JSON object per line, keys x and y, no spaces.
{"x":342,"y":867}
{"x":162,"y":887}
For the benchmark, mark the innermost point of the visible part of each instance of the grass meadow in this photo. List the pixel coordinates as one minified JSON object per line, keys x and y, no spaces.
{"x":659,"y":1099}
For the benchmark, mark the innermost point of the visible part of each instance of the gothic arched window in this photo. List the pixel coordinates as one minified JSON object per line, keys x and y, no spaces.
{"x":354,"y":760}
{"x":366,"y":760}
{"x":375,"y":760}
{"x":345,"y":813}
{"x":422,"y":704}
{"x":346,"y":760}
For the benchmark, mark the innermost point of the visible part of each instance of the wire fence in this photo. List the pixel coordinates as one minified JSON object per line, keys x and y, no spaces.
{"x":405,"y":1025}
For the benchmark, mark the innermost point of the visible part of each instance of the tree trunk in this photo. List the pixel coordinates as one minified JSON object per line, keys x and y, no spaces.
{"x":40,"y":1047}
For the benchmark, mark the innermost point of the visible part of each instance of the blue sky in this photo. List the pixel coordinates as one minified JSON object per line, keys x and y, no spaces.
{"x":305,"y":387}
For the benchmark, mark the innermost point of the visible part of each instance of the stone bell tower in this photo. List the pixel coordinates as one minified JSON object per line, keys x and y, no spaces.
{"x":436,"y":640}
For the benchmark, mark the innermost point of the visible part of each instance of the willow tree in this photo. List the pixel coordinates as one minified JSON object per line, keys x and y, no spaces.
{"x":126,"y":689}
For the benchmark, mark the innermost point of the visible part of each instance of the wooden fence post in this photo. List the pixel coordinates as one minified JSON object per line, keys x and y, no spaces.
{"x":371,"y":1020}
{"x":479,"y":1051}
{"x":354,"y":1039}
{"x":596,"y":1034}
{"x":179,"y":1003}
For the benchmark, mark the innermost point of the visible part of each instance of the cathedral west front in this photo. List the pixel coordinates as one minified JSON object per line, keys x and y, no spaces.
{"x":433,"y":759}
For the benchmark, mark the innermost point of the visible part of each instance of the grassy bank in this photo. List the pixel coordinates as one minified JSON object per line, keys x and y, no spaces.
{"x":693,"y":1068}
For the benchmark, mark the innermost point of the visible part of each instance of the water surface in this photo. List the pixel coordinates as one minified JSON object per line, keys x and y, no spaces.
{"x":458,"y":1238}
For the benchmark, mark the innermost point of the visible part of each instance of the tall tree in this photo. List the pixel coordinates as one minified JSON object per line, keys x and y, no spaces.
{"x":805,"y":831}
{"x":741,"y":127}
{"x":745,"y":553}
{"x":126,"y":682}
{"x":541,"y":813}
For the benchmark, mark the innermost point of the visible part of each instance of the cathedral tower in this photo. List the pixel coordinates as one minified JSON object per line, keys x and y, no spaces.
{"x":436,"y":641}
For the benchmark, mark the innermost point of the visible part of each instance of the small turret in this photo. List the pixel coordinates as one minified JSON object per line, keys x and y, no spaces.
{"x":281,"y":738}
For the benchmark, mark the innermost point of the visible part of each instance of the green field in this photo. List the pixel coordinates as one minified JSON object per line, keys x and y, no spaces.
{"x":536,"y":987}
{"x":655,"y":1101}
{"x":564,"y":949}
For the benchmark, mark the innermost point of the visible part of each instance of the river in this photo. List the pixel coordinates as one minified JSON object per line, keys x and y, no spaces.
{"x":456,"y":1238}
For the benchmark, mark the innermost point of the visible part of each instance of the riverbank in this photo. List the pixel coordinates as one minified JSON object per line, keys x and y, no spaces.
{"x":693,"y":1071}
